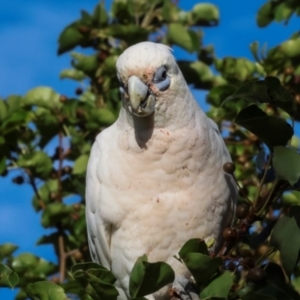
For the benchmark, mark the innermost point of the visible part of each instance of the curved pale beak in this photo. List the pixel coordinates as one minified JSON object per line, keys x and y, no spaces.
{"x":137,"y":91}
{"x":141,"y":101}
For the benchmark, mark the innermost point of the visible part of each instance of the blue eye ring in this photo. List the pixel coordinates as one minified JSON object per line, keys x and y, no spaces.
{"x":161,"y":79}
{"x":160,"y":74}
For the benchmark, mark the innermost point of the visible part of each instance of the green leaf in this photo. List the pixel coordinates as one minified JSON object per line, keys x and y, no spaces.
{"x":273,"y":131}
{"x":171,"y":12}
{"x":278,"y":290}
{"x":290,"y":48}
{"x":131,"y":33}
{"x":291,"y":198}
{"x":45,"y":290}
{"x":86,"y":18}
{"x":218,"y":287}
{"x":265,"y":15}
{"x":202,"y":266}
{"x":43,"y":97}
{"x":254,"y":50}
{"x":80,"y":164}
{"x":3,"y":110}
{"x":193,"y":246}
{"x":257,"y":296}
{"x":47,"y":125}
{"x":38,"y":162}
{"x":24,"y":261}
{"x":72,"y":74}
{"x":17,"y":118}
{"x":96,"y":280}
{"x":286,"y":238}
{"x":93,"y":268}
{"x":2,"y":162}
{"x":197,"y":73}
{"x":179,"y":35}
{"x":8,"y":277}
{"x":70,"y":111}
{"x":44,"y":194}
{"x":100,"y":117}
{"x":100,"y":17}
{"x":205,"y":14}
{"x":286,"y":163}
{"x":69,"y":38}
{"x":54,"y":212}
{"x":274,"y":272}
{"x":269,"y":91}
{"x":7,"y":250}
{"x":283,"y":12}
{"x":147,"y":278}
{"x":85,"y":63}
{"x":49,"y":239}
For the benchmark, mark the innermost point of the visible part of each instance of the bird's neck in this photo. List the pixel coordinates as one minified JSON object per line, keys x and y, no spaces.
{"x":175,"y":113}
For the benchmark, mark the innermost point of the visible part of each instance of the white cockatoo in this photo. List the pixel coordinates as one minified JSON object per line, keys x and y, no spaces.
{"x":155,"y":177}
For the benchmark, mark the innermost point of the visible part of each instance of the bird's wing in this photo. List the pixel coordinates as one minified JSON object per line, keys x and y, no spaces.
{"x":221,"y":144}
{"x":99,"y":232}
{"x":225,"y":156}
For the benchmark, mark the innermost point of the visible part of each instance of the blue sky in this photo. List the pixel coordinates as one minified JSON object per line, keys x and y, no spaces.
{"x":28,"y":34}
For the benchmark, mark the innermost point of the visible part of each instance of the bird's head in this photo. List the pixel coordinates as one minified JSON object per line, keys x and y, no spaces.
{"x":148,"y":76}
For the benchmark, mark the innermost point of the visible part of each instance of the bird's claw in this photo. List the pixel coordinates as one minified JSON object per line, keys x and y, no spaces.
{"x":183,"y":289}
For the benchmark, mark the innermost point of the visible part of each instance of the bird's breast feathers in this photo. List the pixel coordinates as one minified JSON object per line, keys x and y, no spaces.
{"x":170,"y":184}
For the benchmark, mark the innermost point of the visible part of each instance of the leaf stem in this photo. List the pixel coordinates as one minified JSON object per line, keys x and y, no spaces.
{"x":265,"y":255}
{"x":269,"y":197}
{"x":262,"y":181}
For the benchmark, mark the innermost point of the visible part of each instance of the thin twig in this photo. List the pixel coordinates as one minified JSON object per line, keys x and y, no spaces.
{"x":241,"y":190}
{"x":265,"y":255}
{"x":35,"y":189}
{"x":270,"y":194}
{"x":262,"y":181}
{"x":149,"y":16}
{"x":61,"y":242}
{"x":60,"y":164}
{"x":62,"y":258}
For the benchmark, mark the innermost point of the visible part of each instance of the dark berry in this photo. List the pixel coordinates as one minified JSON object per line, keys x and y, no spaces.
{"x":242,"y":159}
{"x":77,"y":255}
{"x":229,"y":167}
{"x":77,"y":206}
{"x":18,"y":180}
{"x":53,"y":195}
{"x":230,"y":234}
{"x":248,"y":262}
{"x":63,"y":98}
{"x":53,"y":174}
{"x":242,"y":210}
{"x":78,"y":91}
{"x":256,"y":275}
{"x":231,"y":266}
{"x":84,"y":29}
{"x":245,"y":252}
{"x":66,"y":170}
{"x":79,"y":113}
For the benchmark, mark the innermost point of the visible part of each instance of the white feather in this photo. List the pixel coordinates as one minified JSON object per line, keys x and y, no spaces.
{"x":153,"y":183}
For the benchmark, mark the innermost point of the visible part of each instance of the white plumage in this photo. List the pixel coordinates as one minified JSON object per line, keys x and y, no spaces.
{"x":155,"y":177}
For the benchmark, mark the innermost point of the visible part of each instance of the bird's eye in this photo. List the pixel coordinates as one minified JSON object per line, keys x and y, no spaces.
{"x":160,"y":75}
{"x":161,"y":79}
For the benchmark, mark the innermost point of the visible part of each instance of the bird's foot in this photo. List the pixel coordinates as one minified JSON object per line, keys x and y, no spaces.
{"x":183,"y":289}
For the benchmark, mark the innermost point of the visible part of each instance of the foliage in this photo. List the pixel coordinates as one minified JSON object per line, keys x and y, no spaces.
{"x":259,"y":259}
